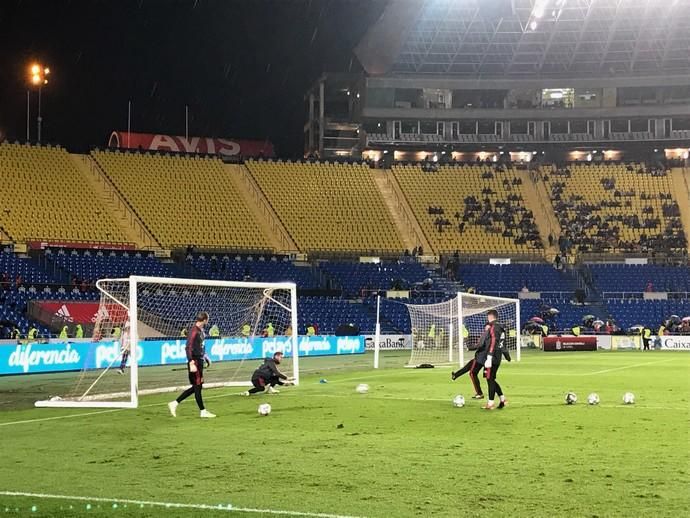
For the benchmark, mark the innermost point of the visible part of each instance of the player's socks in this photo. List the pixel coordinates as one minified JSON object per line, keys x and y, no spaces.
{"x":489,"y":405}
{"x":172,"y":406}
{"x":454,"y":375}
{"x":206,"y":414}
{"x":272,"y":390}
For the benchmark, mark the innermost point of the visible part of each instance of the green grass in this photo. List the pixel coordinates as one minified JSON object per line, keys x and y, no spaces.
{"x":400,"y":450}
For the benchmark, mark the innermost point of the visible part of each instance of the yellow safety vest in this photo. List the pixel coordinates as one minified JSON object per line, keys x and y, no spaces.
{"x":79,"y":333}
{"x":432,"y":331}
{"x":269,"y":330}
{"x":63,"y":333}
{"x":214,"y":331}
{"x":311,"y":331}
{"x":246,"y":330}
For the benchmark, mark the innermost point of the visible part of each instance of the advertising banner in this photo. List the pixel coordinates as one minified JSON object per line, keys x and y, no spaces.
{"x":79,"y":312}
{"x":178,"y":144}
{"x":75,"y":355}
{"x":671,"y":342}
{"x":570,"y":343}
{"x":389,"y":341}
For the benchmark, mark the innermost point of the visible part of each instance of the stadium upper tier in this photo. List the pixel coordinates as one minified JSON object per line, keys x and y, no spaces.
{"x":616,"y":207}
{"x":328,"y":206}
{"x":46,"y":196}
{"x":470,"y":208}
{"x":184,"y":200}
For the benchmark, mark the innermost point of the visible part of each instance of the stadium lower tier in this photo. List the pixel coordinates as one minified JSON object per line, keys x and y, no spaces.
{"x":67,"y":276}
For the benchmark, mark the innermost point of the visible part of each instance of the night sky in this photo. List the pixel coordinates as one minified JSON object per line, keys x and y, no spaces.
{"x":241,"y":66}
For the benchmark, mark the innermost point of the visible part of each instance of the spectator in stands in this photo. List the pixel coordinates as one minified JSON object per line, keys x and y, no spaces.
{"x":650,"y":287}
{"x":524,"y":289}
{"x":18,"y":281}
{"x":557,"y":262}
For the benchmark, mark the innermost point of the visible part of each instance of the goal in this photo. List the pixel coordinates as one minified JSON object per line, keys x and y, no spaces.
{"x":141,"y":326}
{"x":445,"y":333}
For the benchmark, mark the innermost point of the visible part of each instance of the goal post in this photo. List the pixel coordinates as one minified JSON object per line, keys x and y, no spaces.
{"x":445,"y":333}
{"x":472,"y":319}
{"x":138,"y":347}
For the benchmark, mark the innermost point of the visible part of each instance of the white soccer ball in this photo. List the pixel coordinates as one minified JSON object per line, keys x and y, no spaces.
{"x":593,"y":399}
{"x":362,"y":388}
{"x":570,"y":398}
{"x":264,"y":409}
{"x":458,"y":401}
{"x":628,"y":398}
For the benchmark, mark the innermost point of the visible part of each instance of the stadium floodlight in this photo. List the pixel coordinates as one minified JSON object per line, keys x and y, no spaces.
{"x":38,"y":77}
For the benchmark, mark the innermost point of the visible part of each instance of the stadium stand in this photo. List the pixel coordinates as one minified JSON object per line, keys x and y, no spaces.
{"x":47,"y":197}
{"x":470,"y":208}
{"x":184,"y":200}
{"x":93,"y":265}
{"x":355,"y":277}
{"x":615,"y":207}
{"x":247,"y":268}
{"x":509,"y":279}
{"x":329,"y":313}
{"x":638,"y":278}
{"x":339,"y":208}
{"x":631,"y":312}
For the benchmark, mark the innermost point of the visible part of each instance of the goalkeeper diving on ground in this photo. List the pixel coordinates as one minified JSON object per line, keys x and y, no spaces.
{"x":269,"y":376}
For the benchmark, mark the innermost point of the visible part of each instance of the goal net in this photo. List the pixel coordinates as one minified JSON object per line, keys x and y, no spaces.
{"x":139,"y":337}
{"x":447,"y":332}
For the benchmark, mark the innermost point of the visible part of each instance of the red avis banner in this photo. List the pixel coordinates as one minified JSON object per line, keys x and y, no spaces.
{"x":211,"y":146}
{"x":83,"y":312}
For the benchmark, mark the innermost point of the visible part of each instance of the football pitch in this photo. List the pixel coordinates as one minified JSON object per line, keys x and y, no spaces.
{"x":402,"y":449}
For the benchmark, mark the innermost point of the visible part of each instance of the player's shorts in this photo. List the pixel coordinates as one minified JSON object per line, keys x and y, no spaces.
{"x":258,"y":382}
{"x":196,"y":378}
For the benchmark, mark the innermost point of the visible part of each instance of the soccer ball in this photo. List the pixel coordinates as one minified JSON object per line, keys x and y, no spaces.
{"x":593,"y":399}
{"x":628,"y":398}
{"x":264,"y":409}
{"x":362,"y":388}
{"x":459,"y":401}
{"x":570,"y":398}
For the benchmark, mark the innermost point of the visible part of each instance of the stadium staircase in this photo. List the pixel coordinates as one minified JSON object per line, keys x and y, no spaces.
{"x":680,"y":182}
{"x":117,"y":205}
{"x":263,"y":212}
{"x":536,"y":198}
{"x":408,"y":227}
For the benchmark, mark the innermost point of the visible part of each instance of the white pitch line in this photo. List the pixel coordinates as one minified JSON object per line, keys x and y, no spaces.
{"x":627,"y":367}
{"x":170,"y":505}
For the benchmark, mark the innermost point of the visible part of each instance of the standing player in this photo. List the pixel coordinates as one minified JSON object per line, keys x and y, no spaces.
{"x":495,"y":349}
{"x":195,"y":366}
{"x":268,"y":374}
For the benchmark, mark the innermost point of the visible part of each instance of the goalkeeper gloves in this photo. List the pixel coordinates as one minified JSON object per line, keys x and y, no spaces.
{"x":192,"y":366}
{"x":487,"y":363}
{"x":207,"y":360}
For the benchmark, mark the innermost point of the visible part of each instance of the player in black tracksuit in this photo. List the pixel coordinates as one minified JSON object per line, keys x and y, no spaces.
{"x":492,"y":349}
{"x":196,"y":357}
{"x":268,"y":374}
{"x":473,"y":367}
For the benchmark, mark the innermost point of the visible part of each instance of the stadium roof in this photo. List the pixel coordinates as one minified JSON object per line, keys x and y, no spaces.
{"x":518,"y":38}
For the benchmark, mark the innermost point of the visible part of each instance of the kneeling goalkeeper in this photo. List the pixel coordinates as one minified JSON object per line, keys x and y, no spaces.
{"x":269,"y":376}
